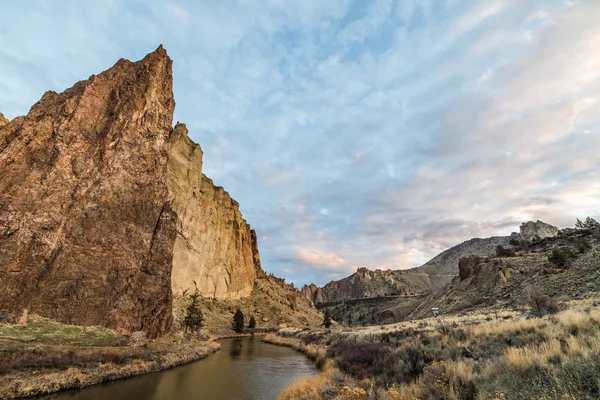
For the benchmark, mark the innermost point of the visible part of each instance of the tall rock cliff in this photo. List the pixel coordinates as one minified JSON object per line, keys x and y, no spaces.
{"x":101,"y":201}
{"x":215,"y":247}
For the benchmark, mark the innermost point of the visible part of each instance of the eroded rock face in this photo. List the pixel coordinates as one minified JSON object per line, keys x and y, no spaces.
{"x":365,"y":283}
{"x":86,"y":227}
{"x":531,"y":230}
{"x":3,"y":120}
{"x":215,"y":246}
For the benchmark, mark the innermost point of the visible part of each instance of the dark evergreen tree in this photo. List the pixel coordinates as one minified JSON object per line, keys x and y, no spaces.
{"x":193,"y":315}
{"x":252,"y":323}
{"x":238,"y":321}
{"x":326,"y":319}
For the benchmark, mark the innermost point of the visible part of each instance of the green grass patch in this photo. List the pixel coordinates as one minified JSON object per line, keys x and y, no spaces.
{"x":47,"y":330}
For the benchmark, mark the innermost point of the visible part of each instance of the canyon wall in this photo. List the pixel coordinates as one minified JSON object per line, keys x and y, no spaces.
{"x":104,"y":209}
{"x":215,"y":247}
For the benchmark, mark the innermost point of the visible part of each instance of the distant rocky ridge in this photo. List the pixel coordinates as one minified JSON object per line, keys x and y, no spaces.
{"x":538,"y":230}
{"x":380,"y":296}
{"x":3,"y":120}
{"x":105,"y":212}
{"x":367,"y":284}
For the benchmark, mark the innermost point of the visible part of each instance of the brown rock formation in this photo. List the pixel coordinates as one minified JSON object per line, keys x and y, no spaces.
{"x":86,"y":229}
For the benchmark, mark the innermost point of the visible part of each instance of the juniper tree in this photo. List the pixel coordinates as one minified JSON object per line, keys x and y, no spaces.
{"x":193,"y":315}
{"x":326,"y":319}
{"x":238,"y":321}
{"x":252,"y":323}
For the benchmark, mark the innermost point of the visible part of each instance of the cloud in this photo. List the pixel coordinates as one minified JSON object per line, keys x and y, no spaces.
{"x":354,"y":133}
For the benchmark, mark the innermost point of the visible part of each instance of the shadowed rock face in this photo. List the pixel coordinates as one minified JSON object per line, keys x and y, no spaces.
{"x":86,"y":226}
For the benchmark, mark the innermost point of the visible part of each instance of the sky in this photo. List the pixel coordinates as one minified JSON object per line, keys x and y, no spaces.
{"x":353,"y":133}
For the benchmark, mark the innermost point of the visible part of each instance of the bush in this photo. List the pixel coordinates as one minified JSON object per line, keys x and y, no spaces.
{"x":380,"y":361}
{"x":581,"y":244}
{"x":562,"y":257}
{"x":541,"y":304}
{"x":503,"y":252}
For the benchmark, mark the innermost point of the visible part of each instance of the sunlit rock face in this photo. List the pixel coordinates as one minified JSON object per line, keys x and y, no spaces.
{"x":531,"y":230}
{"x":215,"y":248}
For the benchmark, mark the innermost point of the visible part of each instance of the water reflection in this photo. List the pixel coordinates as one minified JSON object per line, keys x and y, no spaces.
{"x":244,"y":369}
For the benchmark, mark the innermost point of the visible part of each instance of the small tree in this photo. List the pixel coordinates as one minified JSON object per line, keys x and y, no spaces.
{"x":193,"y":315}
{"x":326,"y":319}
{"x":540,"y":303}
{"x":252,"y":323}
{"x":238,"y":321}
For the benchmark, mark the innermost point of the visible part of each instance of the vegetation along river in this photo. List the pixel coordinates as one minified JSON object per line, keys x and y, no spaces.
{"x":244,"y":369}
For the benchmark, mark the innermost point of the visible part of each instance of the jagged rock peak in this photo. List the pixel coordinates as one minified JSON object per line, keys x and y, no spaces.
{"x":86,"y":225}
{"x":531,"y":230}
{"x":3,"y":120}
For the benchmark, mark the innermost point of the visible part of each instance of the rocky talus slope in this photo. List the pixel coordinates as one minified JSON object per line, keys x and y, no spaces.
{"x":104,"y":210}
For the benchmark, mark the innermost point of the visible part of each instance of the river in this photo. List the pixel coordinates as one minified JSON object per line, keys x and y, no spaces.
{"x":244,"y":369}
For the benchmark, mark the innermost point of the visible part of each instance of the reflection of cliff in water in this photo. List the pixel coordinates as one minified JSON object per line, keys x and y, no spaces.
{"x":244,"y":369}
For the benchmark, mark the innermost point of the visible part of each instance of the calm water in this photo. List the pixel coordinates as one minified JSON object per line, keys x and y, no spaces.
{"x":244,"y":369}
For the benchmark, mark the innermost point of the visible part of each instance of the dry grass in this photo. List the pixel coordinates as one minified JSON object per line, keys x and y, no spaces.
{"x":556,"y":357}
{"x":46,"y":356}
{"x":25,"y":383}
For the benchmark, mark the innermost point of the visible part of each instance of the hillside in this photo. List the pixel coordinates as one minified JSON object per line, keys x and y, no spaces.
{"x":371,"y":297}
{"x":506,"y":282}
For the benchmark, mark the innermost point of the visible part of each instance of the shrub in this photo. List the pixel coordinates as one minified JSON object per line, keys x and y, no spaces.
{"x":540,"y":303}
{"x":581,"y":244}
{"x":562,"y":257}
{"x":503,"y":252}
{"x":380,"y":361}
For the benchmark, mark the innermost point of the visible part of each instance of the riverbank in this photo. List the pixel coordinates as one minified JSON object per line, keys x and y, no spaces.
{"x":46,"y":357}
{"x":462,"y":357}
